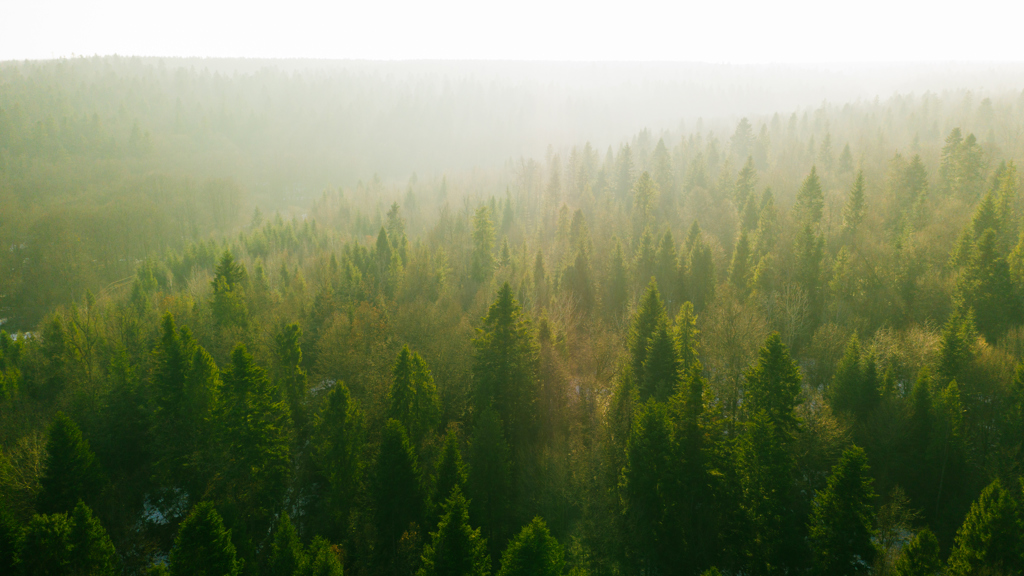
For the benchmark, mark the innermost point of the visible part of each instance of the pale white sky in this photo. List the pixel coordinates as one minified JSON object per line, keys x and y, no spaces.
{"x":736,"y":31}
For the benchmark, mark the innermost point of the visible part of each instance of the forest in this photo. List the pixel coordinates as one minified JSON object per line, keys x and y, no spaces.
{"x":290,"y":323}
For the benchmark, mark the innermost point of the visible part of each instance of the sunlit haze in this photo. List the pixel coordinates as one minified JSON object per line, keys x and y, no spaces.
{"x":745,"y":31}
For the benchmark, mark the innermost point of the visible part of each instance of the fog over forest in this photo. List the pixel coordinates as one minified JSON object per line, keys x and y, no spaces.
{"x":323,"y":317}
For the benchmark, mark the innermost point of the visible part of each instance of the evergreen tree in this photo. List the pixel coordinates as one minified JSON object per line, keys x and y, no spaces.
{"x":451,"y":471}
{"x":810,"y":202}
{"x":291,"y":377}
{"x":92,"y":552}
{"x":397,"y":492}
{"x":456,"y":548}
{"x":203,"y":546}
{"x":617,"y":294}
{"x":505,"y":367}
{"x":769,"y":528}
{"x":700,"y":275}
{"x":255,"y":436}
{"x":540,"y":282}
{"x":840,"y":523}
{"x":853,"y":212}
{"x":483,"y":245}
{"x":533,"y":552}
{"x":228,"y":285}
{"x":988,"y":541}
{"x":773,"y":385}
{"x":665,"y":271}
{"x":809,"y":249}
{"x":986,"y":287}
{"x":336,"y":453}
{"x":323,"y":560}
{"x":646,"y":487}
{"x":745,"y":182}
{"x":287,"y":557}
{"x":413,"y":396}
{"x":846,"y":160}
{"x":46,"y":547}
{"x":920,"y":557}
{"x":687,"y":339}
{"x":957,"y":346}
{"x":648,"y":317}
{"x":70,"y":470}
{"x":661,"y":370}
{"x":739,"y":270}
{"x":490,"y":477}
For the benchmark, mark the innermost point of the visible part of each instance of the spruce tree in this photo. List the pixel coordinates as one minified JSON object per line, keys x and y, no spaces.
{"x":853,"y":212}
{"x":483,"y":245}
{"x":648,"y":317}
{"x":773,"y":385}
{"x":255,"y":436}
{"x":687,"y":339}
{"x":490,"y":477}
{"x":337,"y":448}
{"x":647,"y":485}
{"x":665,"y":269}
{"x":451,"y":471}
{"x":840,"y":525}
{"x":768,"y":532}
{"x":70,"y":470}
{"x":323,"y":559}
{"x":10,"y":540}
{"x":989,"y":540}
{"x":412,"y":399}
{"x":617,"y":294}
{"x":700,"y":276}
{"x":456,"y":548}
{"x":986,"y":287}
{"x":228,"y":304}
{"x":203,"y":546}
{"x":287,"y":557}
{"x":739,"y":270}
{"x":921,"y":557}
{"x":291,"y":377}
{"x":746,"y":181}
{"x":533,"y":552}
{"x":92,"y":552}
{"x":505,"y":368}
{"x":397,"y":492}
{"x":661,"y":366}
{"x":809,"y":200}
{"x":46,"y":547}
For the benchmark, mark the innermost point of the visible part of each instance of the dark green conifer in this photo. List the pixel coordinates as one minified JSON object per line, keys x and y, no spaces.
{"x":840,"y":525}
{"x":989,"y":540}
{"x":70,"y":470}
{"x":397,"y":492}
{"x":533,"y":552}
{"x":203,"y":546}
{"x":921,"y":557}
{"x":287,"y":557}
{"x":456,"y":548}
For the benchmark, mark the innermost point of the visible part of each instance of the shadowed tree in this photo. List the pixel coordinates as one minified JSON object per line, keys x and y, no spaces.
{"x":203,"y":546}
{"x":455,"y":548}
{"x":533,"y":552}
{"x":840,"y":525}
{"x":70,"y":471}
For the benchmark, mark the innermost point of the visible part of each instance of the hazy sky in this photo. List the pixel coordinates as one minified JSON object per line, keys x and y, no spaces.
{"x":735,"y":31}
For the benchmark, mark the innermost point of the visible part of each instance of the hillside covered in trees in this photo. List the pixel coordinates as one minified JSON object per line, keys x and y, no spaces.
{"x":783,"y":343}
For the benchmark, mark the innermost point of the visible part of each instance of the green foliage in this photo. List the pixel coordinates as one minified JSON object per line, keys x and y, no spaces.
{"x":255,"y":434}
{"x":505,"y":367}
{"x":988,"y":540}
{"x":287,"y":557}
{"x":71,"y":472}
{"x":228,"y":285}
{"x":456,"y":547}
{"x":647,"y":486}
{"x":203,"y":546}
{"x":483,"y":245}
{"x":534,"y":551}
{"x":840,"y":524}
{"x":413,"y":396}
{"x":397,"y":493}
{"x":46,"y":545}
{"x":337,"y":448}
{"x":452,"y":472}
{"x":809,"y":200}
{"x":920,"y":557}
{"x":773,"y":386}
{"x":648,"y":317}
{"x":323,"y":559}
{"x":490,"y":477}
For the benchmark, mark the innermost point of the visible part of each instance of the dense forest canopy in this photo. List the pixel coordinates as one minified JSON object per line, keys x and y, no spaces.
{"x":380,"y":319}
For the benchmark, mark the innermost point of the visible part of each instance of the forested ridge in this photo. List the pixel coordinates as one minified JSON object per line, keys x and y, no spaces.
{"x":795,"y":345}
